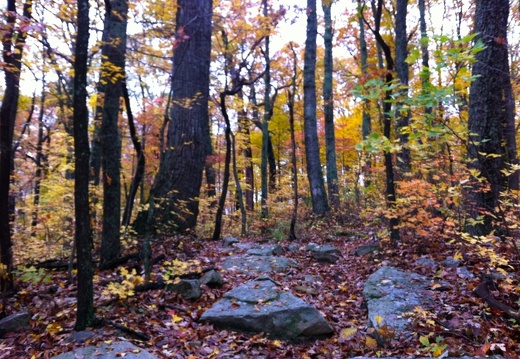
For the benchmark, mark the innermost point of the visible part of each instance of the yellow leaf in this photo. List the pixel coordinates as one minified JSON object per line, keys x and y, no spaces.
{"x":378,"y":319}
{"x":370,"y":343}
{"x":53,"y":328}
{"x":457,"y":256}
{"x":347,"y":332}
{"x":277,"y":343}
{"x":437,"y":352}
{"x":176,"y":318}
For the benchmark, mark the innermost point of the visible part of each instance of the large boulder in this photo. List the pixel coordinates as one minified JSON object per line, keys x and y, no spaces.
{"x":261,"y":306}
{"x":391,"y":293}
{"x":114,"y":350}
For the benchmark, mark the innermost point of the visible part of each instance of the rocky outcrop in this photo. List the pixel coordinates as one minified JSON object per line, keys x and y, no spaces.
{"x":261,"y":306}
{"x":108,"y":351}
{"x":391,"y":293}
{"x":258,"y":264}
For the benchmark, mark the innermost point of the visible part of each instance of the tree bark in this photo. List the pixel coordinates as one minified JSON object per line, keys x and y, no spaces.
{"x":85,"y":292}
{"x":328,"y":109}
{"x":178,"y":182}
{"x":113,"y":76}
{"x":387,"y":122}
{"x":265,"y":121}
{"x":401,"y":66}
{"x":312,"y":146}
{"x":13,"y":44}
{"x":138,"y":176}
{"x":492,"y":146}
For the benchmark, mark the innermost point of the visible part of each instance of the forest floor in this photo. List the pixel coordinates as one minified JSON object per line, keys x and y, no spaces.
{"x":462,"y":324}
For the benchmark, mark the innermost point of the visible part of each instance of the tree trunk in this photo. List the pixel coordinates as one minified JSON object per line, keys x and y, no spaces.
{"x":178,"y":182}
{"x":243,"y":129}
{"x":265,"y":121}
{"x":366,"y":123}
{"x":492,"y":147}
{"x":225,"y":182}
{"x":85,"y":293}
{"x":312,"y":146}
{"x":387,"y":122}
{"x":113,"y":75}
{"x":401,"y":53}
{"x":13,"y":45}
{"x":138,"y":176}
{"x":328,"y":109}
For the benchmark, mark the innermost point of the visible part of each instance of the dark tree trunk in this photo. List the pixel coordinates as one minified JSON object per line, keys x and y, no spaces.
{"x":265,"y":122}
{"x":290,"y":103}
{"x":366,"y":124}
{"x":225,"y":181}
{"x":13,"y":45}
{"x":178,"y":182}
{"x":328,"y":109}
{"x":312,"y":146}
{"x":401,"y":53}
{"x":138,"y":176}
{"x":387,"y":122}
{"x":39,"y":162}
{"x":113,"y":75}
{"x":85,"y":293}
{"x":492,"y":145}
{"x":425,"y":57}
{"x":243,"y":129}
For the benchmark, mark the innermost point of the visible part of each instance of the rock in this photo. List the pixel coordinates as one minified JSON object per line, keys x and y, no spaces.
{"x":261,"y":306}
{"x":365,"y":249}
{"x":80,"y":337}
{"x":212,"y":279}
{"x":108,"y":351}
{"x":14,"y":322}
{"x":451,"y":262}
{"x":229,"y":241}
{"x":325,"y":253}
{"x":188,"y":288}
{"x":258,"y":264}
{"x":391,"y":293}
{"x":313,"y":278}
{"x":311,"y":246}
{"x":293,"y":247}
{"x":265,"y":250}
{"x":464,"y":273}
{"x":426,"y":263}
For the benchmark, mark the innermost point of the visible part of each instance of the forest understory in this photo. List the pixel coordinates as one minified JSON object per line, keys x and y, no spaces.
{"x":167,"y":325}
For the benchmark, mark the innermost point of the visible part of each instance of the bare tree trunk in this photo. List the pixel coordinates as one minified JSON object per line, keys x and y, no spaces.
{"x":401,"y":53}
{"x":312,"y":147}
{"x":328,"y":99}
{"x":85,"y":293}
{"x":113,"y":74}
{"x":178,"y":182}
{"x":492,"y":146}
{"x":141,"y":162}
{"x":13,"y":44}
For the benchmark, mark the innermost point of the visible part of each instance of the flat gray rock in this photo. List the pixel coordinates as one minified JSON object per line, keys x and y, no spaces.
{"x":258,"y":264}
{"x":391,"y":293}
{"x":115,"y":350}
{"x":260,"y":306}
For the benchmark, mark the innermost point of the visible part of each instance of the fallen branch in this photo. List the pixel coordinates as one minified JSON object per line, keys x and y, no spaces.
{"x":137,"y":334}
{"x":484,"y":292}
